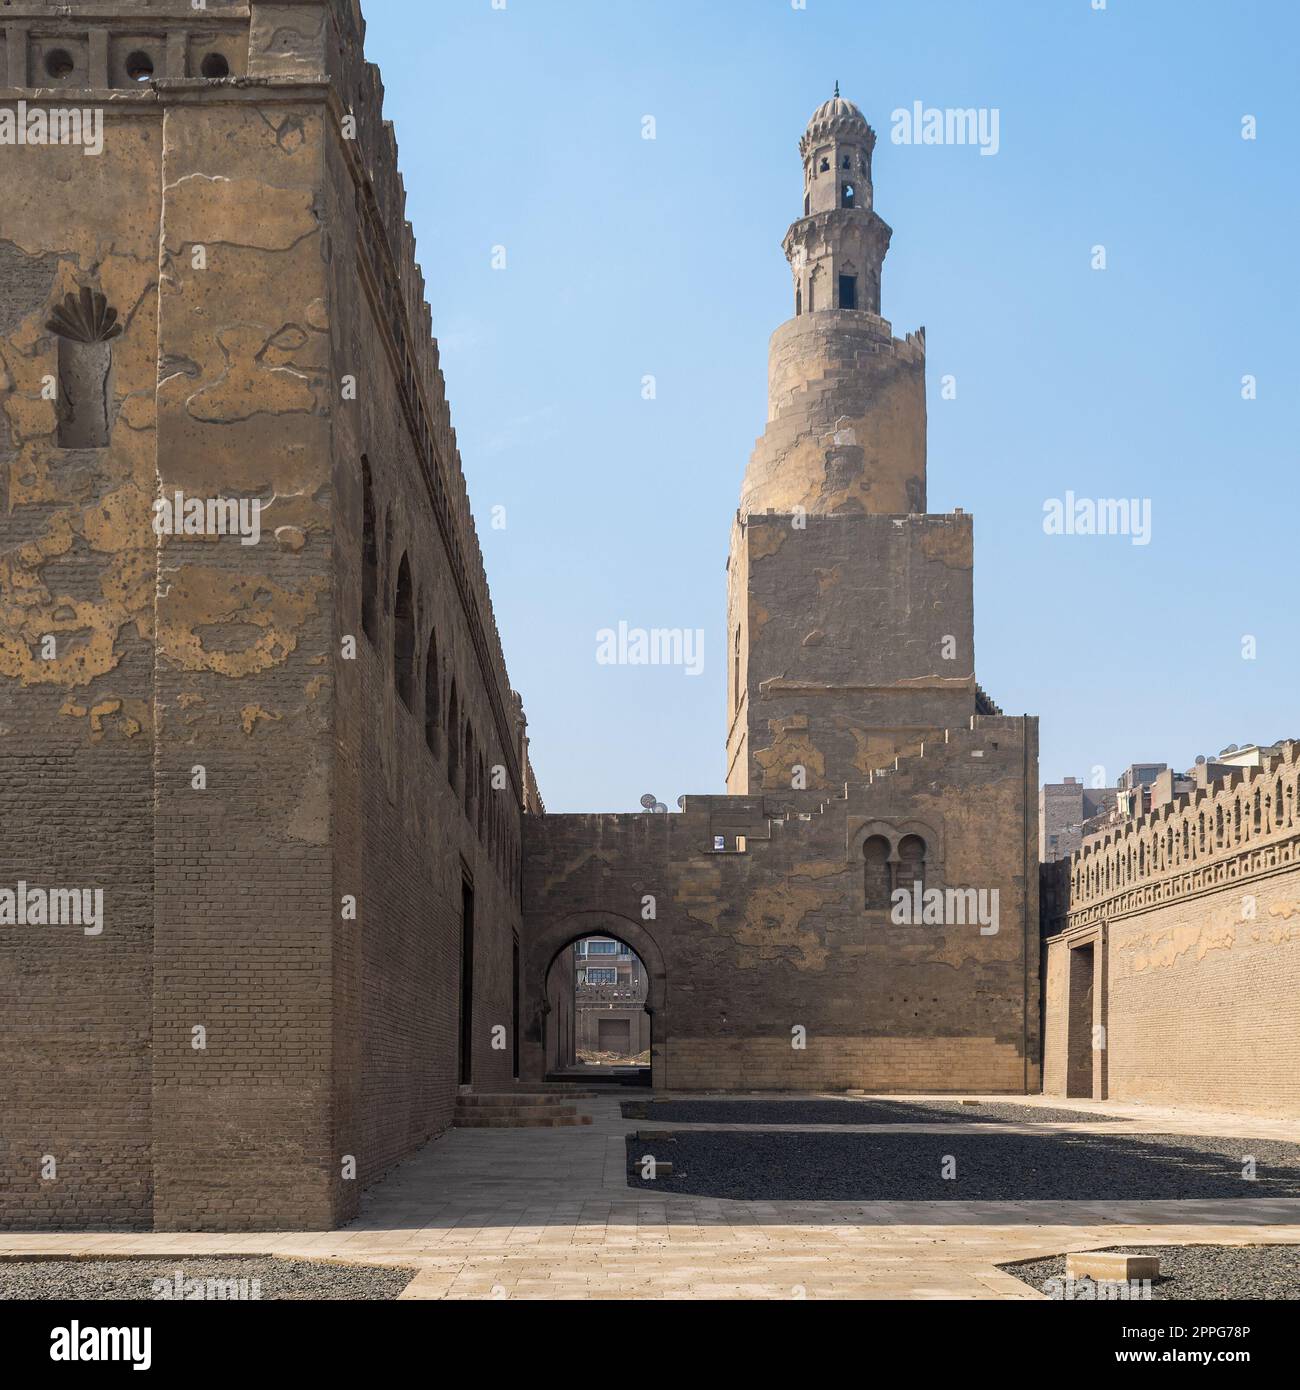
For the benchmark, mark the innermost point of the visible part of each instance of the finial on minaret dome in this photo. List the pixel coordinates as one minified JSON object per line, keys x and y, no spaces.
{"x":837,"y":86}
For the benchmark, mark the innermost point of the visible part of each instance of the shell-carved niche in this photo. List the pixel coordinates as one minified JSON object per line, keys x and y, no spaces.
{"x":85,"y":324}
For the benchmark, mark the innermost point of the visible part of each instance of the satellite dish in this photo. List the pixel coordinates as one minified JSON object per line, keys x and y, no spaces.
{"x":648,"y":801}
{"x":681,"y":803}
{"x":660,"y":809}
{"x":1200,"y":759}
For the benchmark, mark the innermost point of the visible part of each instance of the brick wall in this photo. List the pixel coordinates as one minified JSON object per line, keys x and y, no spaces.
{"x":238,"y":1049}
{"x":747,"y":946}
{"x":1196,"y":911}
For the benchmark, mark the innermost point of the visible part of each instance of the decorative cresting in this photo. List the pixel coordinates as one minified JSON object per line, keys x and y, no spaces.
{"x":1246,"y":827}
{"x":85,"y":325}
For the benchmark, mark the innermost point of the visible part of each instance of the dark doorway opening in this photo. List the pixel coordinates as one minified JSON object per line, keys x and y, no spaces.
{"x":1079,"y":1051}
{"x":848,"y":291}
{"x":514,"y":1005}
{"x":466,"y":981}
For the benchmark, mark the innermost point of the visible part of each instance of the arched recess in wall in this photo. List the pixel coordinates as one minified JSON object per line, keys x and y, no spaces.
{"x":432,"y":706}
{"x":404,"y":635}
{"x":876,"y":871}
{"x":468,"y":800}
{"x":911,"y":862}
{"x":453,"y":736}
{"x":369,"y":551}
{"x":85,"y":326}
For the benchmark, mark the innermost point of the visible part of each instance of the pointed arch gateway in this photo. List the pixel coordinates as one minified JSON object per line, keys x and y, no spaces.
{"x":540,"y":952}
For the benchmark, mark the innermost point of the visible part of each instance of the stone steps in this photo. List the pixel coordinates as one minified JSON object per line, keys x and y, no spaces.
{"x":519,"y":1110}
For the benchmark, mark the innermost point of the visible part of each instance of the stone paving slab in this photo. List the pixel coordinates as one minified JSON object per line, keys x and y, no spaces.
{"x":548,"y":1214}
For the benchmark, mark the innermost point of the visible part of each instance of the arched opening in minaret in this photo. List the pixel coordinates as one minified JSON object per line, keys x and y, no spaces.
{"x":848,"y":291}
{"x":848,"y":195}
{"x":798,"y":301}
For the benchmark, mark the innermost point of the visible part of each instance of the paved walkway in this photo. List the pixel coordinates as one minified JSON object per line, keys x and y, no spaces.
{"x":528,"y":1213}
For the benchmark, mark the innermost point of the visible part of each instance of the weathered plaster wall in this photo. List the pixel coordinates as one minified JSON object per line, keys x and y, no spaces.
{"x":276,"y":333}
{"x":1198,"y":908}
{"x":77,"y":561}
{"x":846,"y":428}
{"x":857,"y":642}
{"x":744,"y":946}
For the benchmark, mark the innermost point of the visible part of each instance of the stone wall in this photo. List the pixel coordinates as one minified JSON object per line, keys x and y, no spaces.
{"x":287,"y":764}
{"x":771,"y":934}
{"x":1193,"y":913}
{"x":856,"y":643}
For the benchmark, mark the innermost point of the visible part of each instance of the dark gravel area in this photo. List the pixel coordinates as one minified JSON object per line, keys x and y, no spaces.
{"x":990,"y":1167}
{"x":1196,"y":1271}
{"x":134,"y":1278}
{"x":852,"y":1112}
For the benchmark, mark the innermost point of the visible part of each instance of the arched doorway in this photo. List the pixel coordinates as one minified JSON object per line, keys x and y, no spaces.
{"x":597,"y":1027}
{"x":549,"y":953}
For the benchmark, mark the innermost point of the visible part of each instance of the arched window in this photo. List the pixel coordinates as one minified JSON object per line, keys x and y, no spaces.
{"x":875,"y":852}
{"x":85,"y":326}
{"x":798,"y":300}
{"x":453,"y":737}
{"x":369,"y":551}
{"x":848,"y":195}
{"x":432,"y":706}
{"x":482,"y":799}
{"x":404,"y":635}
{"x":469,"y":772}
{"x":911,"y":862}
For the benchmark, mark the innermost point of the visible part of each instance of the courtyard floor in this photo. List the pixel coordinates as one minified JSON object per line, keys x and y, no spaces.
{"x":536,"y":1213}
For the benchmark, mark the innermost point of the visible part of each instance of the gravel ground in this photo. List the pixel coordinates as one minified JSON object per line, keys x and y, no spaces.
{"x":134,"y":1279}
{"x":852,"y":1112}
{"x":1197,"y":1271}
{"x":990,"y":1167}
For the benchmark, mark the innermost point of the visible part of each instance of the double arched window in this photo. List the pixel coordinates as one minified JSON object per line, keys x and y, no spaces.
{"x":890,"y":863}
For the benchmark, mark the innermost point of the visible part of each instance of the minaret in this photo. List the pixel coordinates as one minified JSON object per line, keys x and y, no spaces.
{"x":850,"y":627}
{"x":846,"y":401}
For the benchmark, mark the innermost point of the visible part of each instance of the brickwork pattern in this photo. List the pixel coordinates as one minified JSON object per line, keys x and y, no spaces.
{"x":1197,"y":905}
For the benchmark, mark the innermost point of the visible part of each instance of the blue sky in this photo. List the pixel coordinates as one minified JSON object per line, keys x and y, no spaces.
{"x":522,"y":128}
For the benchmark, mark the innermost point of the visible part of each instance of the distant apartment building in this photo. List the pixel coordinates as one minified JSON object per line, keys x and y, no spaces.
{"x":1068,"y":811}
{"x":1064,"y":809}
{"x":598,"y":992}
